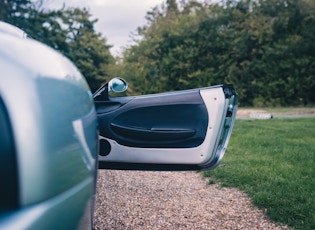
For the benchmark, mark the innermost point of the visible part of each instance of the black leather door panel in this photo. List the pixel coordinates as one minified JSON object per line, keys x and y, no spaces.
{"x":172,"y":120}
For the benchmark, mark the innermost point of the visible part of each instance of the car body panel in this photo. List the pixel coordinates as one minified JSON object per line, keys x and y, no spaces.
{"x":12,"y":30}
{"x":54,"y":126}
{"x":57,"y":212}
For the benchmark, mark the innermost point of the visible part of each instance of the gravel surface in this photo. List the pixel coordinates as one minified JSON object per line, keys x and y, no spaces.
{"x":291,"y":112}
{"x":171,"y":200}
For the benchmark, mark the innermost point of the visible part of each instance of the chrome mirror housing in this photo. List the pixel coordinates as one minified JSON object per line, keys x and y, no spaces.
{"x":115,"y":85}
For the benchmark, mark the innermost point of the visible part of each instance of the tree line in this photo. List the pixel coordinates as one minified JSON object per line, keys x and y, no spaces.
{"x":265,"y":48}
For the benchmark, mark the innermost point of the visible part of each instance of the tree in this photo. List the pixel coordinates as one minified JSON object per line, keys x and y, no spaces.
{"x":15,"y":11}
{"x":86,"y":48}
{"x":265,"y":48}
{"x":68,"y":30}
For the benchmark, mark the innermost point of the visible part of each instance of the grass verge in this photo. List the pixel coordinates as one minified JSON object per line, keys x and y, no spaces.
{"x":274,"y":162}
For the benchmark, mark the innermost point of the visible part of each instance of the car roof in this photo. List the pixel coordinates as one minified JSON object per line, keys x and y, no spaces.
{"x":12,"y":30}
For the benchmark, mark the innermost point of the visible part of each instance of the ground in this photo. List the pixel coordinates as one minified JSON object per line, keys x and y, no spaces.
{"x":277,"y":112}
{"x":172,"y":200}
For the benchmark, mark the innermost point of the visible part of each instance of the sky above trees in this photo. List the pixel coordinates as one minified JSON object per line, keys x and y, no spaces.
{"x":117,"y":19}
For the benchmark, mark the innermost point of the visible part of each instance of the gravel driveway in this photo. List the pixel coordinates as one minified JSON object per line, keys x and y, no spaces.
{"x":171,"y":200}
{"x":176,"y":200}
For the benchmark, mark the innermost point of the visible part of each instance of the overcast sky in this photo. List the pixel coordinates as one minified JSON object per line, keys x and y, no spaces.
{"x":117,"y":19}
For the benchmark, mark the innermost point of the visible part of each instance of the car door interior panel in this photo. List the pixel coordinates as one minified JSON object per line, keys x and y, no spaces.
{"x":181,"y":130}
{"x":158,"y":121}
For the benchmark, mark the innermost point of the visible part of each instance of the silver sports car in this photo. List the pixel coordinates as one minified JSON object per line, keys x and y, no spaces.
{"x":55,"y":134}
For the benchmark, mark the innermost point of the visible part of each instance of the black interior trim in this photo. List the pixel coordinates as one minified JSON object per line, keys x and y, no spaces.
{"x":148,"y":167}
{"x":153,"y":134}
{"x":9,"y":198}
{"x":167,"y":120}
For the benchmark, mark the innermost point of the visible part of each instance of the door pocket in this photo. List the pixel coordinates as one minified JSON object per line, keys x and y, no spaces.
{"x":153,"y":134}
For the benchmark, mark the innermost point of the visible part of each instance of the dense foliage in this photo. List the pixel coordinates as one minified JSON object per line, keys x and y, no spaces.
{"x":264,"y":47}
{"x":68,"y":30}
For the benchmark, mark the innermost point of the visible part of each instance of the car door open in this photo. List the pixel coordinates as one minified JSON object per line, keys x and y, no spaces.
{"x":181,"y":130}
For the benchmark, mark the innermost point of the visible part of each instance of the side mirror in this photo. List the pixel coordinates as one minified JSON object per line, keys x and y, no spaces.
{"x":115,"y":85}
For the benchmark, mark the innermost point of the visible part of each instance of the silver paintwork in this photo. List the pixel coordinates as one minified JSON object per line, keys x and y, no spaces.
{"x":55,"y":129}
{"x":12,"y":30}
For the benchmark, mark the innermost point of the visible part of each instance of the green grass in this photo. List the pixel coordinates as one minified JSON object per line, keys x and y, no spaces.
{"x":274,"y":162}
